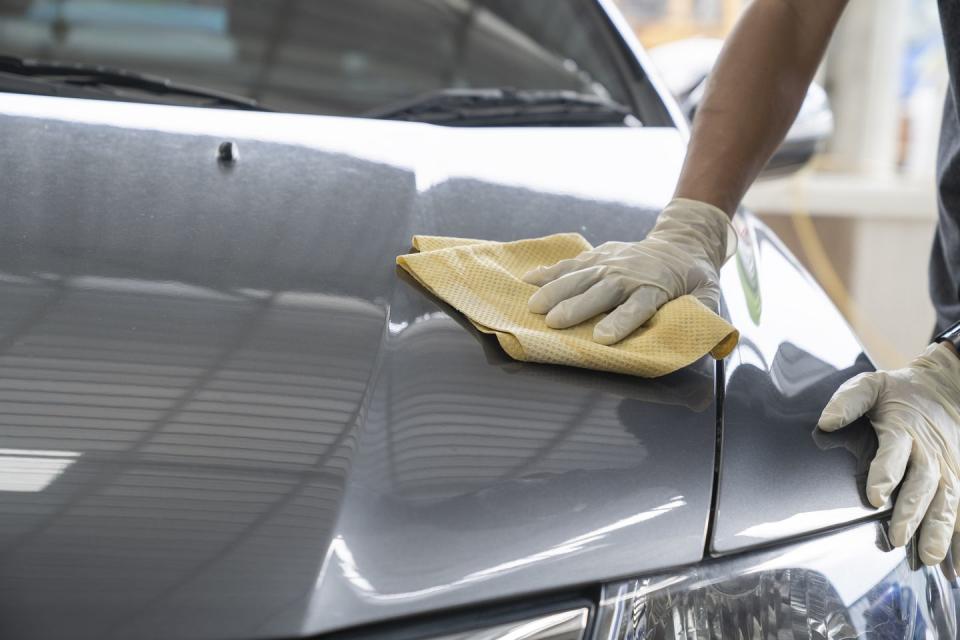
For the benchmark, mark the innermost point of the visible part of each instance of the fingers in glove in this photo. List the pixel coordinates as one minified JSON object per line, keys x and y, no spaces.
{"x":938,"y":525}
{"x":629,"y":316}
{"x":542,"y":275}
{"x":601,"y":297}
{"x":564,"y":288}
{"x":888,"y":466}
{"x":916,"y":494}
{"x":853,"y":399}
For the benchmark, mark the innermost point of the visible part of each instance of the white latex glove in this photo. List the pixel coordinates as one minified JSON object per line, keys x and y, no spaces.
{"x":682,"y":254}
{"x":916,"y":414}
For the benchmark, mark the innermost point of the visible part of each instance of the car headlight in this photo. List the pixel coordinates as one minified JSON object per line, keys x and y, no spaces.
{"x":849,"y":584}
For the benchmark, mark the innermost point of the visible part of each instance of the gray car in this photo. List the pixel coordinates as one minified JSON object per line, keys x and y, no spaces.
{"x":225,"y":414}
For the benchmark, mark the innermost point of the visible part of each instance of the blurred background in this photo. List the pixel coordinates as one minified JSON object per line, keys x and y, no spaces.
{"x":861,"y":216}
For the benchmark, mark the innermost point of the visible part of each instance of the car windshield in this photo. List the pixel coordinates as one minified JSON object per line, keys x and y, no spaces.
{"x":337,"y":57}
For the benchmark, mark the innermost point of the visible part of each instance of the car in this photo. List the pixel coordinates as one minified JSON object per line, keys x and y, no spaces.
{"x":226,"y":414}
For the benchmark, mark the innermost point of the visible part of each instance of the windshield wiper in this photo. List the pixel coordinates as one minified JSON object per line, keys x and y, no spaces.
{"x":508,"y":107}
{"x":75,"y":79}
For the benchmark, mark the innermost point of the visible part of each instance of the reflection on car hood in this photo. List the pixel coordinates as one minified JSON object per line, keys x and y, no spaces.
{"x":225,"y":414}
{"x":795,"y":350}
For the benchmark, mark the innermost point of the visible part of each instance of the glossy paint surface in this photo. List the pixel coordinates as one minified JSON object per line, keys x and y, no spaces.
{"x":223,"y":413}
{"x":779,"y":476}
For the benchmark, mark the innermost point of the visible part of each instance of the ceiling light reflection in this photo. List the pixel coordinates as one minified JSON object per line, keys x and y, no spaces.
{"x":349,"y":569}
{"x":807,"y":521}
{"x":30,"y":470}
{"x":435,"y":154}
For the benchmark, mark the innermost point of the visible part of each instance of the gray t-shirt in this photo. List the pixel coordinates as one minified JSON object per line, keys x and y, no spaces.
{"x":945,"y":256}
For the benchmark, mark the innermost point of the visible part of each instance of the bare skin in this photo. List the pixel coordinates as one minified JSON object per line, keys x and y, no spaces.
{"x":753,"y":96}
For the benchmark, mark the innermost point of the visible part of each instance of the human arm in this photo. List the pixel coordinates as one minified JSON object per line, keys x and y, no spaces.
{"x":752,"y":97}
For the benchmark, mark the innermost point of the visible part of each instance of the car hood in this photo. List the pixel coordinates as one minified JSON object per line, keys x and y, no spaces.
{"x":226,"y":414}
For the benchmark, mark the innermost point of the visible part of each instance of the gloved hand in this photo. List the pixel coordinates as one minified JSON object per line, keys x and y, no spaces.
{"x":682,"y":254}
{"x":916,"y":414}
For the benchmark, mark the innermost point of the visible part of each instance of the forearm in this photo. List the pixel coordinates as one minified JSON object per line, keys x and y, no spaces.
{"x":753,"y":96}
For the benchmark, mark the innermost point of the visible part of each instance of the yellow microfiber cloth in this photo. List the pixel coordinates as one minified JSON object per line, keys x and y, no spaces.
{"x":481,"y":279}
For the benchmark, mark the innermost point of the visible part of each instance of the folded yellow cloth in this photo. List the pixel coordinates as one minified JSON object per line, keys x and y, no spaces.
{"x":481,"y":279}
